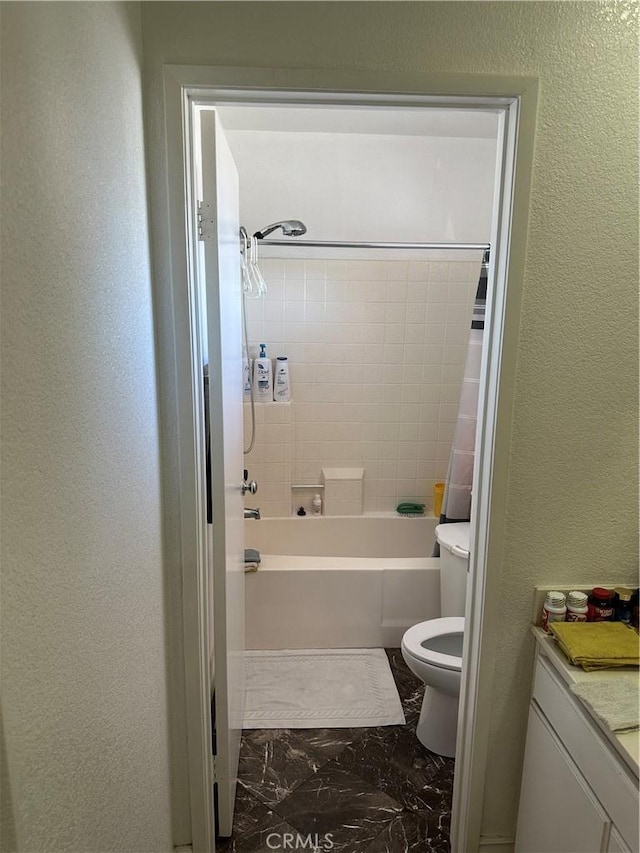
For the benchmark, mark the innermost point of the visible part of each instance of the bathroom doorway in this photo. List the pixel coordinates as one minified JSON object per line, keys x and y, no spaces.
{"x":505,"y":110}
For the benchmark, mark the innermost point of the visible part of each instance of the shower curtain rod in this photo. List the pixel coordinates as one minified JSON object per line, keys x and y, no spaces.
{"x":337,"y":244}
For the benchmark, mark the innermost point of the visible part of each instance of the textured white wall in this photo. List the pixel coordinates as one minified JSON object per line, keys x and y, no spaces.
{"x":573,"y":474}
{"x":364,"y":186}
{"x":83,"y":657}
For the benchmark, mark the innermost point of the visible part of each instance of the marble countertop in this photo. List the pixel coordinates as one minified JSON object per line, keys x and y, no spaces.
{"x":627,"y":745}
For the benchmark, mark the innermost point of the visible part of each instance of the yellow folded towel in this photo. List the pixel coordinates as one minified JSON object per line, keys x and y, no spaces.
{"x":598,"y":645}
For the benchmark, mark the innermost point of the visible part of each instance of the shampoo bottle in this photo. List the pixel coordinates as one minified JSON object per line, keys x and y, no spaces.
{"x":246,"y":374}
{"x":262,"y":376}
{"x":281,"y":389}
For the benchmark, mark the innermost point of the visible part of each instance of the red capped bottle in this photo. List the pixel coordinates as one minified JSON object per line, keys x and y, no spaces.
{"x":600,"y":606}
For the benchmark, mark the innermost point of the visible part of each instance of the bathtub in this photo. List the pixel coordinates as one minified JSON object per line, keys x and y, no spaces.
{"x":343,"y":582}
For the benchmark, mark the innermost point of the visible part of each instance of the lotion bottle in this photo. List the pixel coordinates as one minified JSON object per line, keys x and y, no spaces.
{"x":281,"y":388}
{"x":262,"y":376}
{"x":246,"y":374}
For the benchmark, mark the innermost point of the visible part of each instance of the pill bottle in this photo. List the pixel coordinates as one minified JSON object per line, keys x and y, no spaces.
{"x":577,"y":606}
{"x":624,"y":607}
{"x":600,"y":605}
{"x":554,"y":609}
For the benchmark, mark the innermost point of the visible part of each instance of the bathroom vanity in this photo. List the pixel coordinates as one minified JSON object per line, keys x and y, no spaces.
{"x":580,"y":780}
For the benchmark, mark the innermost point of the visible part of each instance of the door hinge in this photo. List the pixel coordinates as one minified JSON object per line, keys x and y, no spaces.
{"x":214,"y":769}
{"x":205,"y":221}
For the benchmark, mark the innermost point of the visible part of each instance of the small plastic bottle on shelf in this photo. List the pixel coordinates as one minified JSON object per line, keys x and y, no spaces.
{"x":246,"y":371}
{"x":635,"y":612}
{"x":281,"y":387}
{"x":577,"y":607}
{"x":554,"y":609}
{"x":262,"y":376}
{"x":600,"y":605}
{"x":316,"y":505}
{"x":624,"y":606}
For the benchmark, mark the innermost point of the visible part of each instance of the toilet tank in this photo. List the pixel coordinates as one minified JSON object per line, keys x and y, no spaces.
{"x":454,"y":561}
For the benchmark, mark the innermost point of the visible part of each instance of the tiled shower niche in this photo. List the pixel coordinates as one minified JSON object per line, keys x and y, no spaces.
{"x":376,"y":356}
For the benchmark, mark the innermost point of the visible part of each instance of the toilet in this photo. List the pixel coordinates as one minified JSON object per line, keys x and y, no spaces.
{"x":433,"y":649}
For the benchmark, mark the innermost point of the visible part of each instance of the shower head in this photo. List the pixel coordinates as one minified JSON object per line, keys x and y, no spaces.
{"x":290,"y":228}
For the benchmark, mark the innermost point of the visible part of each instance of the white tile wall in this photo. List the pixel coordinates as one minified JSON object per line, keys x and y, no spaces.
{"x":343,"y":491}
{"x":376,"y":352}
{"x":269,"y":463}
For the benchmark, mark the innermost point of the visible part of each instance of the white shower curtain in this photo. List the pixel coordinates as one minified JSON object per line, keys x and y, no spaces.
{"x":456,"y":504}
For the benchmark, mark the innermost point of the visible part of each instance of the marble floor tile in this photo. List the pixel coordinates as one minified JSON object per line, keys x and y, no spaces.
{"x":328,"y":743}
{"x":273,"y":762}
{"x":260,"y":839}
{"x":253,"y":823}
{"x":411,"y":833}
{"x":393,"y":760}
{"x":248,"y":811}
{"x":410,"y":687}
{"x":341,"y":803}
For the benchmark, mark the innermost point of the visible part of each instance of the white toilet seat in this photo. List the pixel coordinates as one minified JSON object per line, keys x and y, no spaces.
{"x":416,"y":635}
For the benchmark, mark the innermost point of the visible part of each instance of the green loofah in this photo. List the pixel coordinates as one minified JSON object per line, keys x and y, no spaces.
{"x":409,"y":508}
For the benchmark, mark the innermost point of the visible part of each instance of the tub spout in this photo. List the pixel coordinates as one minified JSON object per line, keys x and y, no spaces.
{"x":252,"y":513}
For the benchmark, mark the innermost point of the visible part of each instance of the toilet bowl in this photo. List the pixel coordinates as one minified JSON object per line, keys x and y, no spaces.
{"x":433,"y":649}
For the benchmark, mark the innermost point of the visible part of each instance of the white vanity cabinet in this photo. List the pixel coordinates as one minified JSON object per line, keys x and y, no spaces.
{"x":557,"y":812}
{"x":579,"y":789}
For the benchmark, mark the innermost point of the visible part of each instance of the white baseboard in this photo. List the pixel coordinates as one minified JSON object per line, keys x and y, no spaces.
{"x":183,"y":848}
{"x":490,"y":844}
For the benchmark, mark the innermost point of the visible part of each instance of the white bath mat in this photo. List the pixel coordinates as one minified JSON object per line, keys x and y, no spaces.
{"x":320,"y":688}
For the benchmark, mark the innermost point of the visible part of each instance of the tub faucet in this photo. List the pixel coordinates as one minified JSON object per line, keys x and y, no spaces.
{"x":252,"y":513}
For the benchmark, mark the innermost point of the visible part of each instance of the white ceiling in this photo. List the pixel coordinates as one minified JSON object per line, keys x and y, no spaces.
{"x":388,"y":121}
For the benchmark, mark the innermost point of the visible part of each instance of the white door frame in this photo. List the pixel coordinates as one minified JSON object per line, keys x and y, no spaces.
{"x":515,"y":98}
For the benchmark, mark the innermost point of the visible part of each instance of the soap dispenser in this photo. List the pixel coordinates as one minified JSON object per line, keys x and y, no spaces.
{"x":262,"y":376}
